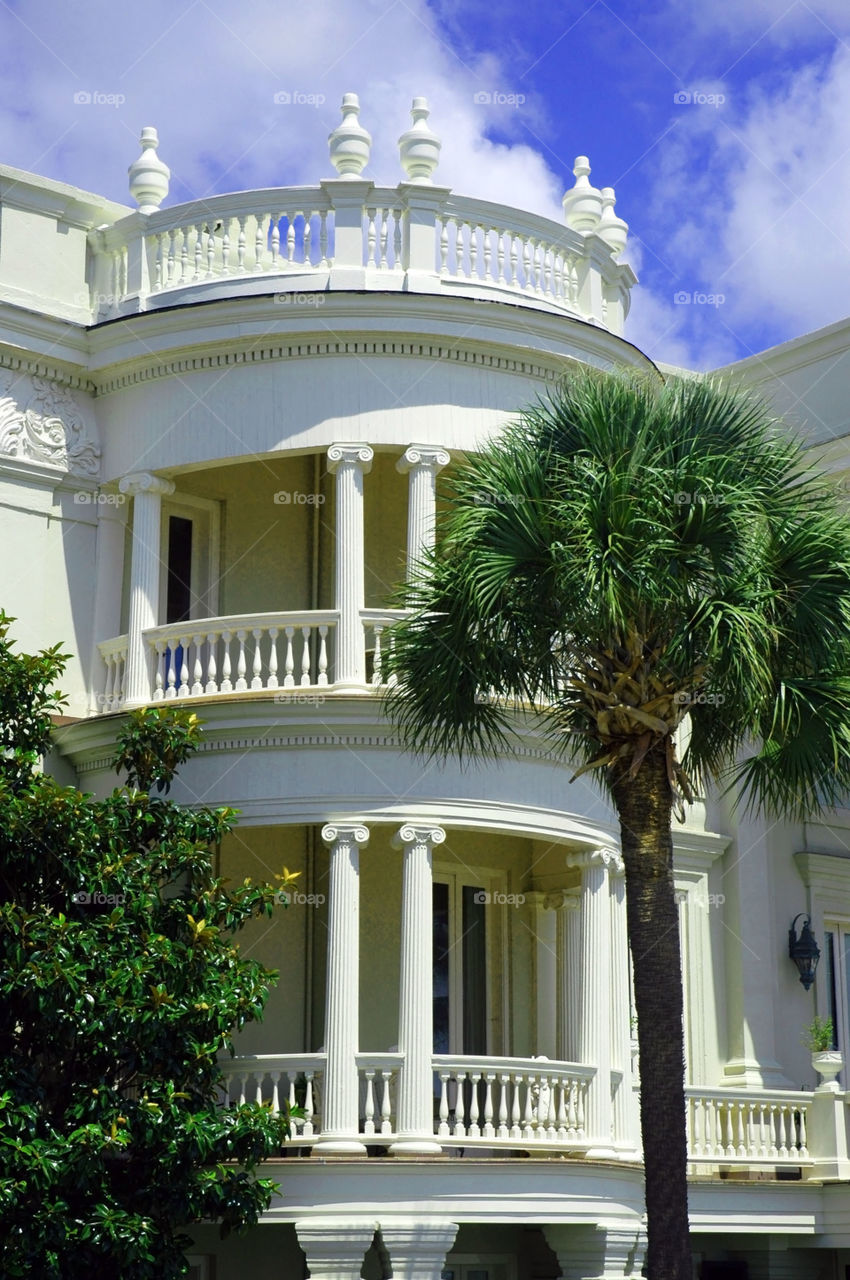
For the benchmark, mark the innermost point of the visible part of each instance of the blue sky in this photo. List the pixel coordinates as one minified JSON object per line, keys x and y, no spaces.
{"x":725,"y":127}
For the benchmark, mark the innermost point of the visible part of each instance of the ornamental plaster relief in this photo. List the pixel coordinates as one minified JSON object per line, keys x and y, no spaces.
{"x":41,"y":422}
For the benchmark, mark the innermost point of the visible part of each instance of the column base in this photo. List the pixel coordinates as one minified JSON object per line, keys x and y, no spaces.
{"x":340,"y":1146}
{"x":415,"y":1145}
{"x":599,"y":1152}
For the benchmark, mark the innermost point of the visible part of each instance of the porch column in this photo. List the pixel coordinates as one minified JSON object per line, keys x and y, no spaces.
{"x":146,"y":491}
{"x":349,"y":463}
{"x":569,"y":979}
{"x":335,"y":1247}
{"x":626,"y":1126}
{"x":340,"y":1131}
{"x":416,"y":995}
{"x":109,"y":572}
{"x":422,"y":462}
{"x":595,"y":988}
{"x":417,"y":1247}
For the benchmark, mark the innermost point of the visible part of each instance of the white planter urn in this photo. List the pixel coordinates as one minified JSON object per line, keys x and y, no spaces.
{"x":350,"y":144}
{"x":419,"y":147}
{"x":828,"y":1063}
{"x":148,"y":175}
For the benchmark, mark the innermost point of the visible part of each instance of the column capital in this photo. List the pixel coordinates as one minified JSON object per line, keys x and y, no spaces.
{"x":605,"y":856}
{"x":359,"y":453}
{"x":418,"y":1246}
{"x":346,"y":833}
{"x":145,"y":482}
{"x":423,"y":455}
{"x":335,"y":1247}
{"x":418,"y":833}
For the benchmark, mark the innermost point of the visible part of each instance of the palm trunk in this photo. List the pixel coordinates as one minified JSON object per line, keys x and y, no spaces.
{"x":644,"y":807}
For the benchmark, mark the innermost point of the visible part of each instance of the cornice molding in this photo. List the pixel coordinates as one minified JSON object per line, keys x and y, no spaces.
{"x":34,"y":367}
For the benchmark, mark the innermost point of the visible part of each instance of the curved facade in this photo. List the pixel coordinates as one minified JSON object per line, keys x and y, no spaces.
{"x":224,"y":428}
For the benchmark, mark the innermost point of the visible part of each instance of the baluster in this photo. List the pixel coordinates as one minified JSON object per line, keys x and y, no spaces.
{"x":241,"y":663}
{"x":307,"y":1127}
{"x":803,"y":1150}
{"x":199,"y":250}
{"x":275,"y":239}
{"x":782,"y":1114}
{"x":561,"y":1118}
{"x":243,"y":1088}
{"x":504,"y":1081}
{"x":305,"y":247}
{"x":369,"y":1108}
{"x":489,"y":1131}
{"x":377,"y":630}
{"x":551,"y":1114}
{"x":386,"y":1109}
{"x":528,"y":276}
{"x":473,"y":250}
{"x":161,"y":265}
{"x":290,"y":239}
{"x":539,"y":253}
{"x":323,"y":238}
{"x":159,"y":650}
{"x":514,"y":260}
{"x":371,"y":238}
{"x":240,"y":244}
{"x":121,"y":663}
{"x":741,"y":1127}
{"x":392,"y":678}
{"x":762,"y":1138}
{"x":305,"y":657}
{"x":474,"y":1130}
{"x":210,"y":253}
{"x":260,"y":242}
{"x":183,"y":644}
{"x":500,"y":256}
{"x":111,"y":663}
{"x":323,"y":655}
{"x":197,"y":670}
{"x":225,"y":246}
{"x":573,"y":1120}
{"x":516,"y":1131}
{"x":257,"y":680}
{"x":443,"y":1128}
{"x":291,"y":1102}
{"x":271,"y":683}
{"x":385,"y":234}
{"x":444,"y":246}
{"x":212,"y":685}
{"x":289,"y":662}
{"x":488,"y":248}
{"x":396,"y":237}
{"x":274,"y":1076}
{"x":528,"y":1118}
{"x":170,"y":672}
{"x":226,"y":686}
{"x":460,"y":1114}
{"x":184,"y":255}
{"x":171,"y":257}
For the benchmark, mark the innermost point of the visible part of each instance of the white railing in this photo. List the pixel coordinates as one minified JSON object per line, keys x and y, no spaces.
{"x":270,"y":1078}
{"x":378,"y":1074}
{"x":376,"y":626}
{"x":114,"y":654}
{"x":277,"y":651}
{"x":511,"y":1100}
{"x":747,"y":1127}
{"x":296,"y":238}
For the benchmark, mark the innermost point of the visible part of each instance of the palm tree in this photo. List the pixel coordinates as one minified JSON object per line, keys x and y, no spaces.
{"x":626,"y":554}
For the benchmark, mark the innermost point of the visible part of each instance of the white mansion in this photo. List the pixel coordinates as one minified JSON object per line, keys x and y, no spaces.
{"x":223,"y":426}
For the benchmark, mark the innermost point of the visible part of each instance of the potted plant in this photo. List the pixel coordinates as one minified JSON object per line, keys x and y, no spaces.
{"x":826,"y":1060}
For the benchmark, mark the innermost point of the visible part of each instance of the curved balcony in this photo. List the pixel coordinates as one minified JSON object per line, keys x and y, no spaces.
{"x":304,"y":241}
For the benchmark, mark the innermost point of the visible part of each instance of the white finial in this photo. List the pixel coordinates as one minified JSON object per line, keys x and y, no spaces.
{"x":613,"y":230}
{"x":350,"y":143}
{"x":148,"y":175}
{"x":582,"y":203}
{"x":419,"y":147}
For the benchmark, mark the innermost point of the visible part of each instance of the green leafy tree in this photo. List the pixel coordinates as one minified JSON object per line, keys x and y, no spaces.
{"x":120,"y":985}
{"x":625,"y":555}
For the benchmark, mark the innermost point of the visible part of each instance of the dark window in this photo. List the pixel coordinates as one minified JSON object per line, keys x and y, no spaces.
{"x":178,"y":591}
{"x":441,"y":968}
{"x":474,"y":953}
{"x":829,"y":958}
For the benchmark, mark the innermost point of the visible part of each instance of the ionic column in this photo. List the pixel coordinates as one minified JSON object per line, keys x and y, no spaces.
{"x":109,"y":574}
{"x":418,"y":1246}
{"x":349,"y":463}
{"x":626,"y":1128}
{"x":146,"y":491}
{"x":569,"y":978}
{"x":422,"y":462}
{"x":340,"y":1133}
{"x":335,"y":1247}
{"x":416,"y":1009}
{"x":595,"y":985}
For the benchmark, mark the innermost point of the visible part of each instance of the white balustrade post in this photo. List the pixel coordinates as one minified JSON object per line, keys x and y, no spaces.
{"x":418,"y":1246}
{"x":350,"y":462}
{"x":339,"y":1134}
{"x":595,"y":980}
{"x":335,"y":1247}
{"x":422,"y":462}
{"x":568,"y":977}
{"x":348,"y":199}
{"x":415,"y":1123}
{"x":421,"y":209}
{"x":146,"y":491}
{"x":109,"y":573}
{"x":626,"y":1120}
